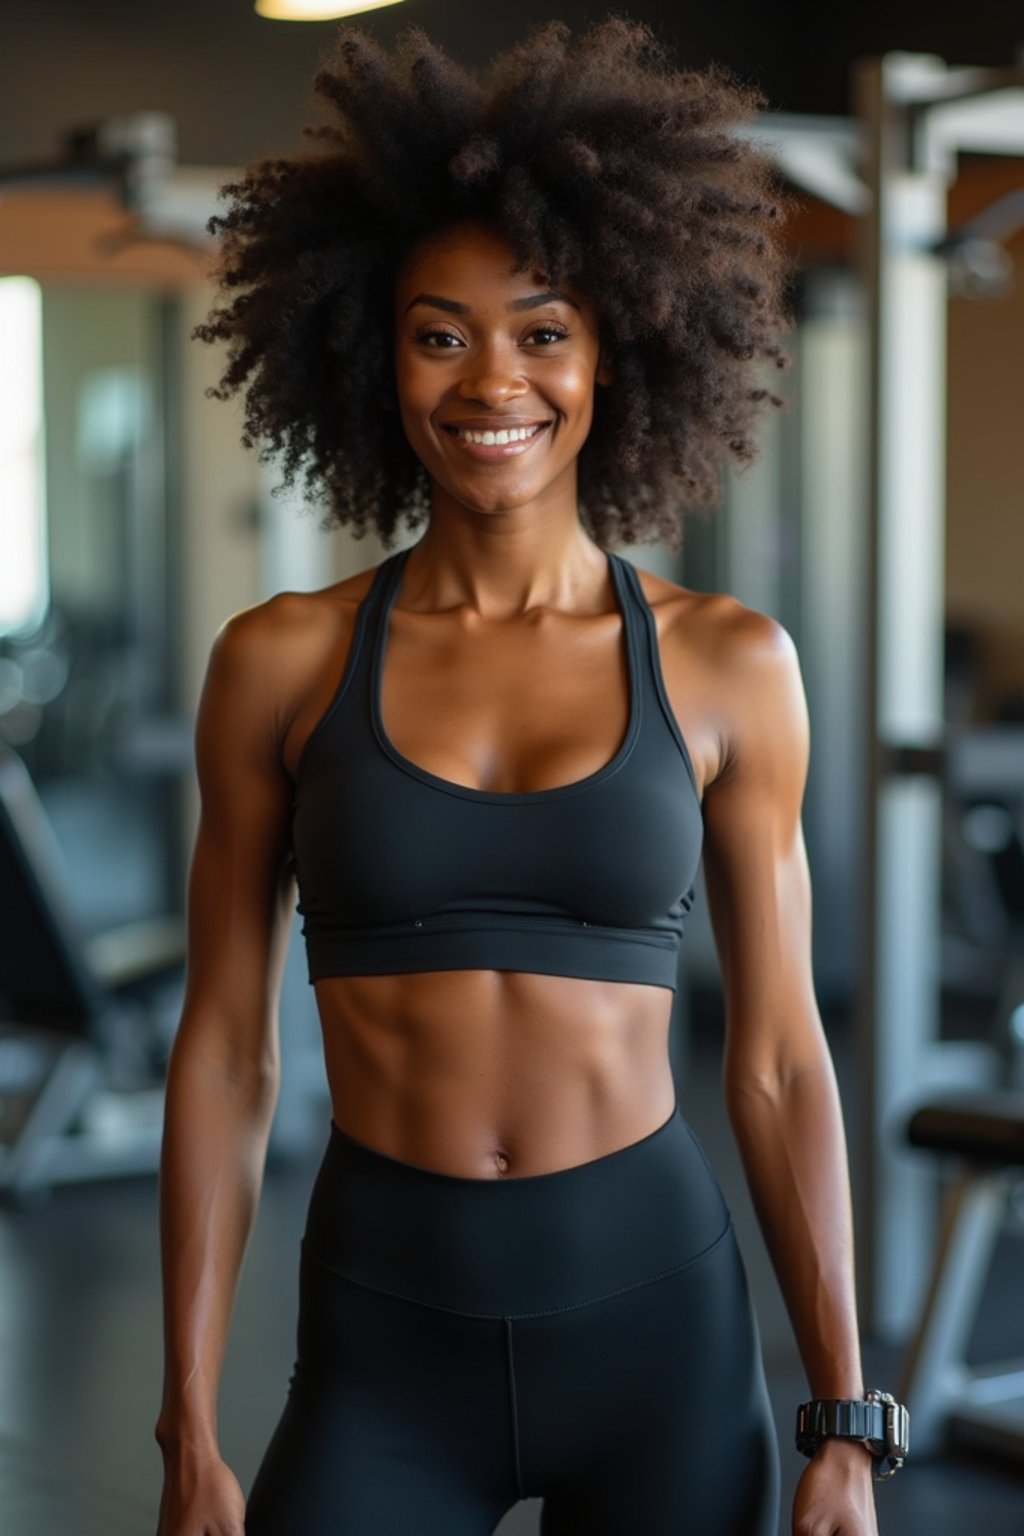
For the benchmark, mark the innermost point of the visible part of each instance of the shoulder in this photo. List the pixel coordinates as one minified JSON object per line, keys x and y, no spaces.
{"x":270,"y":637}
{"x":256,"y":635}
{"x":742,"y":664}
{"x":724,"y":630}
{"x":265,"y":659}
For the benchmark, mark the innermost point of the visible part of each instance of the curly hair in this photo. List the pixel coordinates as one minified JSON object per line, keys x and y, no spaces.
{"x":602,"y":166}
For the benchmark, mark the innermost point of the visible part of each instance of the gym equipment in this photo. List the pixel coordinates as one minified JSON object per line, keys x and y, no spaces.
{"x":85,"y":1022}
{"x":980,"y":1132}
{"x":947,"y":1399}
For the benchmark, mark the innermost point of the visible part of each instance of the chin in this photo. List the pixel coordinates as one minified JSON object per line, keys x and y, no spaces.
{"x":492,"y":508}
{"x":507,"y":501}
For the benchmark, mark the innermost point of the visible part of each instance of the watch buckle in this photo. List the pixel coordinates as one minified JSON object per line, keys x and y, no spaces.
{"x":897,"y":1434}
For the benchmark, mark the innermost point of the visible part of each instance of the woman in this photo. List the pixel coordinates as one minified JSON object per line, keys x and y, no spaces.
{"x":523,"y":312}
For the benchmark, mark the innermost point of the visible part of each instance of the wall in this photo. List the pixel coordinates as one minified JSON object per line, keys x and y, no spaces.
{"x":985,"y":513}
{"x":239,"y":85}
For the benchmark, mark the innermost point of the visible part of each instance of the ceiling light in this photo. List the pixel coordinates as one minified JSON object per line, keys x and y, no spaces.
{"x":317,"y":10}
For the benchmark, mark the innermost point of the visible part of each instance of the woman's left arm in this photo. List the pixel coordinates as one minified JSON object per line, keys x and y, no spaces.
{"x":778,"y":1078}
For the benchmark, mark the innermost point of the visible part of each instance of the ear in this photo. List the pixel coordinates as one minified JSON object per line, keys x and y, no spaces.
{"x":605,"y":372}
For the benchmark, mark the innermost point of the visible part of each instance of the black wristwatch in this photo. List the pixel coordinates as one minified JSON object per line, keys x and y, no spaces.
{"x":876,"y":1419}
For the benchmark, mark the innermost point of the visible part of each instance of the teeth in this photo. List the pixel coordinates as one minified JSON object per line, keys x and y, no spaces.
{"x":515,"y":435}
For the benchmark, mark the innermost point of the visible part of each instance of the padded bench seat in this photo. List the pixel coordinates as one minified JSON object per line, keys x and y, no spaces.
{"x":983,"y":1127}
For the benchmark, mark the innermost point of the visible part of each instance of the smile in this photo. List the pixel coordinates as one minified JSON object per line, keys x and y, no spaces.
{"x":499,"y":444}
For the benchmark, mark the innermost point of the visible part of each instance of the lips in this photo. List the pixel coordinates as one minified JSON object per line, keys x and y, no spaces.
{"x":494,"y":423}
{"x":490,"y":451}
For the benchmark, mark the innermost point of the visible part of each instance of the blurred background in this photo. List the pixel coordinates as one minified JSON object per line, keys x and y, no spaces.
{"x":882,"y":525}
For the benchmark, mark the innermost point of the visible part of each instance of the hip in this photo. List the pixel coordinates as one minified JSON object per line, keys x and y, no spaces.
{"x":516,"y":1246}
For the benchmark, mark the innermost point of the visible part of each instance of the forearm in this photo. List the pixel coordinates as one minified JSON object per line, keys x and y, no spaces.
{"x":216,"y":1129}
{"x":793,"y":1147}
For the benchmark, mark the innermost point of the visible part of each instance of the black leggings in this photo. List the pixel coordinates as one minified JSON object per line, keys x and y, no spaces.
{"x":584,"y":1336}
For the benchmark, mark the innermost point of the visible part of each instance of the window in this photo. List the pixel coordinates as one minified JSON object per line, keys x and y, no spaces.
{"x":24,"y":590}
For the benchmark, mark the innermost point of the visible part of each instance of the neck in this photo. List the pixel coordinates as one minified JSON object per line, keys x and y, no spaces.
{"x":502,"y":572}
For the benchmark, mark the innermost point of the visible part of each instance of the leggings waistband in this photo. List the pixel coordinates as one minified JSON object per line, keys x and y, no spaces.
{"x":518,"y":1246}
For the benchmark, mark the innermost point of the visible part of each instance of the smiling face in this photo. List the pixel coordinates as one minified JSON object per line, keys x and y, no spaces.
{"x":494,"y":372}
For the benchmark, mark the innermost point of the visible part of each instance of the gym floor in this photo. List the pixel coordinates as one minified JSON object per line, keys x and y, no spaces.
{"x":80,"y":1351}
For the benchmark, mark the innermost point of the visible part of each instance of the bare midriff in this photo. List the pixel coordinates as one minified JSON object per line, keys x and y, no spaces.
{"x":496,"y":1074}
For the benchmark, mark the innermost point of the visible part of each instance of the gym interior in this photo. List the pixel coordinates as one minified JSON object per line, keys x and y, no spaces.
{"x":882,"y":524}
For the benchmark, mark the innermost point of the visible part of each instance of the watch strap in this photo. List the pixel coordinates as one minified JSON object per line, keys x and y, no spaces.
{"x":876,"y":1420}
{"x":851,"y":1418}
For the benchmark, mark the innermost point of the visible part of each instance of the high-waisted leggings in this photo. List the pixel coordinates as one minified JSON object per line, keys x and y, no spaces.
{"x":584,"y":1336}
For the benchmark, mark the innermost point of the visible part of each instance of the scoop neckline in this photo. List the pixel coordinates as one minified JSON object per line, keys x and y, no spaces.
{"x":496,"y":796}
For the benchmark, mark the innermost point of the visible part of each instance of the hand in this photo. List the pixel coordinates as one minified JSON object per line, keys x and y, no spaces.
{"x":200,"y":1498}
{"x":835,"y":1495}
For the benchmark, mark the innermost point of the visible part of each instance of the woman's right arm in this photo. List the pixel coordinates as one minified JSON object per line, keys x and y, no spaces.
{"x":223,"y":1074}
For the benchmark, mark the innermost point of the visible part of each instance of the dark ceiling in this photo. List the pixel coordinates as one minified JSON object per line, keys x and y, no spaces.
{"x":239,"y":86}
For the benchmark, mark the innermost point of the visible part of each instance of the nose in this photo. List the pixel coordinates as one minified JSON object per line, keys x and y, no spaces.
{"x":492,"y":378}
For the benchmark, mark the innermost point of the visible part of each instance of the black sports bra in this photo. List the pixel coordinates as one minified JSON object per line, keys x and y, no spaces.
{"x":400,"y":870}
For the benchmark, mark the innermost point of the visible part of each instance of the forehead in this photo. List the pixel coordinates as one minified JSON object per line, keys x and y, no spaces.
{"x":470,"y":258}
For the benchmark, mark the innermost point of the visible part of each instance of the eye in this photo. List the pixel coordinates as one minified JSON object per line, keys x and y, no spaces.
{"x":555,"y":332}
{"x":440,"y":340}
{"x":436,"y":334}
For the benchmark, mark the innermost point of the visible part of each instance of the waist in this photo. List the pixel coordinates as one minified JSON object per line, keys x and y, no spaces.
{"x":488,"y":941}
{"x":494,"y":1247}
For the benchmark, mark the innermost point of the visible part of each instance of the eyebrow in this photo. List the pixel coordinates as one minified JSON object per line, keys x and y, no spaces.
{"x":532,"y":301}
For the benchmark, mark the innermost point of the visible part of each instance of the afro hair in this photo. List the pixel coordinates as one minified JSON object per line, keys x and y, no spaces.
{"x":604,"y":167}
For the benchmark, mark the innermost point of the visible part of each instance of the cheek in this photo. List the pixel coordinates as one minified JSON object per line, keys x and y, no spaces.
{"x":574,"y":390}
{"x":417,"y":395}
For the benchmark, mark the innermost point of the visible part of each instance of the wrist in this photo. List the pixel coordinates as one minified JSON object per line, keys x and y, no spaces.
{"x":840,"y":1448}
{"x":186,"y":1442}
{"x":187,"y":1418}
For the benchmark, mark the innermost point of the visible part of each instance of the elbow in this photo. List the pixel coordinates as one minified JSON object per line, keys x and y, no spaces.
{"x":777,"y":1092}
{"x":262,"y":1090}
{"x":252,"y":1086}
{"x":249,"y":1081}
{"x":755,"y":1104}
{"x":751,"y":1093}
{"x":755,"y":1090}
